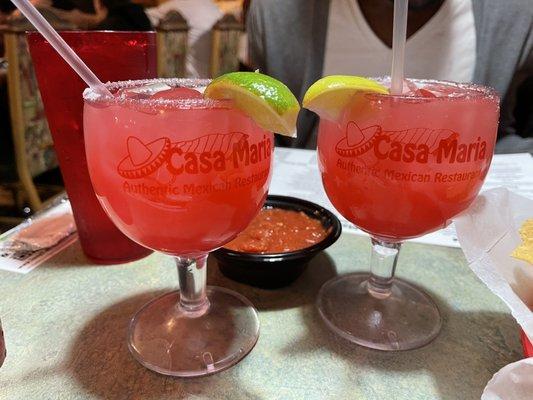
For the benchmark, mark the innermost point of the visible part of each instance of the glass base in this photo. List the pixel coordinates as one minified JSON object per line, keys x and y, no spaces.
{"x":407,"y":319}
{"x":169,"y":341}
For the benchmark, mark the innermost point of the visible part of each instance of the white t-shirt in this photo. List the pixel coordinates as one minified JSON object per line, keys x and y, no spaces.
{"x":444,"y":48}
{"x":201,"y":15}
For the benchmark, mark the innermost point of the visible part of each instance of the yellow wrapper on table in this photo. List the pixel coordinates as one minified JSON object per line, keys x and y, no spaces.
{"x":525,"y":250}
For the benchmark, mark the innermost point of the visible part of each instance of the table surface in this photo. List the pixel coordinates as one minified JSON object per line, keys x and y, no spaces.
{"x":65,"y":327}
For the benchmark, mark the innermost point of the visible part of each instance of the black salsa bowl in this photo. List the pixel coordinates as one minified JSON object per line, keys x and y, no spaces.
{"x":276,"y":270}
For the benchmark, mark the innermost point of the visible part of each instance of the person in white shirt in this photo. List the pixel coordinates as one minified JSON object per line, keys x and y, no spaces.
{"x":480,"y":41}
{"x":447,"y":35}
{"x":201,"y":15}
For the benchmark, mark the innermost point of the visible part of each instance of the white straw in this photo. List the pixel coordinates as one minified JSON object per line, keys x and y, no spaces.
{"x":61,"y":46}
{"x":398,"y":45}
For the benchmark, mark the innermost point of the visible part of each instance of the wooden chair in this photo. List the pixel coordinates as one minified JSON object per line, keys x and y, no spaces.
{"x":172,"y":34}
{"x":32,"y":141}
{"x":226,"y":35}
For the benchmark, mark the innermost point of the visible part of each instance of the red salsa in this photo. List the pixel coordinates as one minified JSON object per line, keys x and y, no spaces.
{"x":276,"y":230}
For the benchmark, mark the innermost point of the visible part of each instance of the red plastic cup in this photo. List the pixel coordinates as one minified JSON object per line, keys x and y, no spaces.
{"x":113,"y":56}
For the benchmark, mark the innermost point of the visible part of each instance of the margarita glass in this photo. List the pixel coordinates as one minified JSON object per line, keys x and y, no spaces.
{"x":398,"y":167}
{"x":182,"y":175}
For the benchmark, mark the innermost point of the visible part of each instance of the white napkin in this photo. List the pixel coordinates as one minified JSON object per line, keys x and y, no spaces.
{"x":512,"y":382}
{"x":488,"y":233}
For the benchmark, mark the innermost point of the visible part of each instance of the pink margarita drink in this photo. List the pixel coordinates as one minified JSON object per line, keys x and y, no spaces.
{"x":175,"y":172}
{"x":402,"y":166}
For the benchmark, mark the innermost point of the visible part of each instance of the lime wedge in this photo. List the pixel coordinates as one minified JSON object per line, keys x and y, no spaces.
{"x":264,"y":99}
{"x":328,"y":96}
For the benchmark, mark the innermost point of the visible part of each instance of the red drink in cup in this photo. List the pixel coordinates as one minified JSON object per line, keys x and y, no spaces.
{"x":178,"y":169}
{"x":112,"y":56}
{"x":426,"y":155}
{"x":183,"y":175}
{"x":398,"y":166}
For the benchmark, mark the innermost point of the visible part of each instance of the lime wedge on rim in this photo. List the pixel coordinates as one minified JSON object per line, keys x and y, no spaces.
{"x":328,"y":96}
{"x":266,"y":100}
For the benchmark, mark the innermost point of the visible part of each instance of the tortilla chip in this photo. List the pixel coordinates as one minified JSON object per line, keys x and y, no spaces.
{"x":525,"y":250}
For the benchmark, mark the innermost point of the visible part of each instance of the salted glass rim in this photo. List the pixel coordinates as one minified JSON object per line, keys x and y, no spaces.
{"x":91,"y":96}
{"x":467,"y":90}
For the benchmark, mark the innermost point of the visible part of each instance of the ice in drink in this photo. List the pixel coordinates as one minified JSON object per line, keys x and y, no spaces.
{"x":175,"y":172}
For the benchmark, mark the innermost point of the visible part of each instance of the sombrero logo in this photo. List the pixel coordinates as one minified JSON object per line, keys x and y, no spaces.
{"x":417,"y":145}
{"x":161,"y":171}
{"x":201,"y":155}
{"x":143,"y":159}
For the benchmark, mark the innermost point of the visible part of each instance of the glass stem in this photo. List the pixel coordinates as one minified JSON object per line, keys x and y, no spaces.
{"x":382,"y":267}
{"x":192,"y":276}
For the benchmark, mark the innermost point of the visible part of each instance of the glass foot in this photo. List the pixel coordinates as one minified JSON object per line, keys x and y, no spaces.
{"x":407,"y":319}
{"x":167,"y":340}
